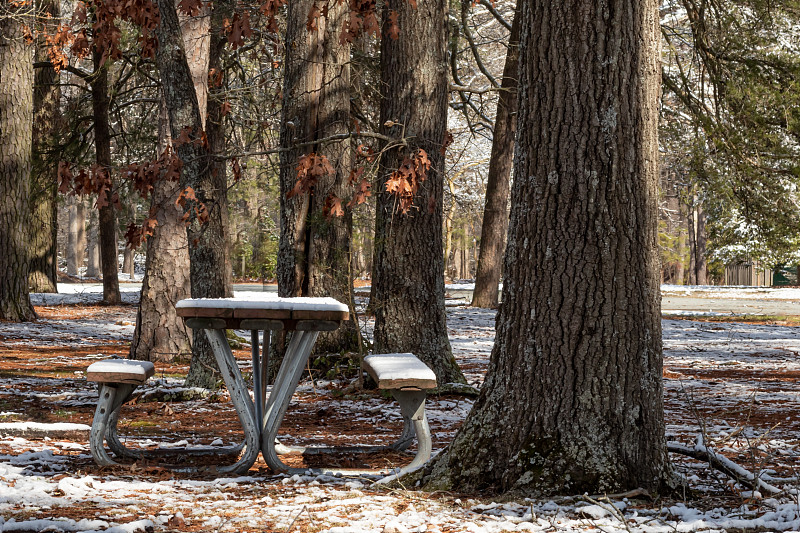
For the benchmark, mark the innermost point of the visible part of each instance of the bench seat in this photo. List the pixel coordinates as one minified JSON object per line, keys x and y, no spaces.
{"x":120,"y":371}
{"x":399,"y":371}
{"x":408,"y":379}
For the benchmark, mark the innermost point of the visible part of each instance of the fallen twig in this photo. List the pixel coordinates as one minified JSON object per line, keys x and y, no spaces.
{"x":701,"y":452}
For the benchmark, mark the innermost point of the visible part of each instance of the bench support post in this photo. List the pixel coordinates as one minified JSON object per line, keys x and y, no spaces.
{"x":105,"y":420}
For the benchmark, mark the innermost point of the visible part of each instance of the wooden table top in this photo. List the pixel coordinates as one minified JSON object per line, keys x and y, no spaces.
{"x":263,"y":306}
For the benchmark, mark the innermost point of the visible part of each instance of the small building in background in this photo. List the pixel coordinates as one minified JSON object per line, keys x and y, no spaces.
{"x":748,"y":273}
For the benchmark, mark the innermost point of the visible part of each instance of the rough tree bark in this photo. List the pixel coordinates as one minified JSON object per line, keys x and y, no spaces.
{"x":216,"y":253}
{"x":102,"y":146}
{"x":408,"y":277}
{"x":572,"y":401}
{"x":495,"y":211}
{"x":314,"y":249}
{"x":16,"y":143}
{"x":44,"y":176}
{"x":209,"y":267}
{"x":161,"y":334}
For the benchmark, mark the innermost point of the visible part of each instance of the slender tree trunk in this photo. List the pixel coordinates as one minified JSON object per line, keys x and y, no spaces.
{"x":161,"y":334}
{"x":93,"y":248}
{"x":16,"y":143}
{"x":692,"y":243}
{"x":449,"y":257}
{"x":495,"y":211}
{"x":102,"y":145}
{"x":408,"y":278}
{"x":701,"y":262}
{"x":572,"y":401}
{"x":314,"y":248}
{"x":43,"y":274}
{"x":72,"y":236}
{"x":80,"y":239}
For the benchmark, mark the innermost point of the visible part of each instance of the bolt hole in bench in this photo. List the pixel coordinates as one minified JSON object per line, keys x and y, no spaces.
{"x":117,"y":379}
{"x":408,"y":379}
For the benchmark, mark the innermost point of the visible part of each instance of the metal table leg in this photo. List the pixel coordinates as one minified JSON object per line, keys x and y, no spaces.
{"x":240,"y":396}
{"x":258,"y":385}
{"x":294,"y":362}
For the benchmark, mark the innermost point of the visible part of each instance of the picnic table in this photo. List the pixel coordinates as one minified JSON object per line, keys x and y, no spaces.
{"x":406,"y":377}
{"x":305,"y":317}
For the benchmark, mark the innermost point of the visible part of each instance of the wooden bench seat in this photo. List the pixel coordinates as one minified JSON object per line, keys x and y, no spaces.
{"x":120,"y":371}
{"x":408,"y":379}
{"x":399,"y":371}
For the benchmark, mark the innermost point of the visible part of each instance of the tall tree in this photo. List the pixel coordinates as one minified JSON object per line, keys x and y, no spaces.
{"x":495,"y":211}
{"x":314,"y":246}
{"x":16,"y":142}
{"x":44,"y":175}
{"x":408,"y":269}
{"x":573,"y":397}
{"x":209,"y":269}
{"x":161,"y":334}
{"x":102,"y":144}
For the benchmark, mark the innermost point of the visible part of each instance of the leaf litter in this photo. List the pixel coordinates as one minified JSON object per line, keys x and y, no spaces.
{"x":733,"y":384}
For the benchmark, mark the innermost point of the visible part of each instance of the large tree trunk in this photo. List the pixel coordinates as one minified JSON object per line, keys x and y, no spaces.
{"x":572,"y":401}
{"x":102,"y":146}
{"x":408,"y":279}
{"x":220,"y":285}
{"x":161,"y":334}
{"x":314,"y":247}
{"x":16,"y":143}
{"x":44,"y":176}
{"x":495,"y":211}
{"x":209,"y":265}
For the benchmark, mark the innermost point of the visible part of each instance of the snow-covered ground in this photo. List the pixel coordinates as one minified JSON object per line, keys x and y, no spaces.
{"x":724,"y":291}
{"x":42,"y":490}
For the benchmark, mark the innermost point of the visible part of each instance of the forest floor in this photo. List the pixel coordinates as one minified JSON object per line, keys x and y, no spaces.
{"x":736,"y":380}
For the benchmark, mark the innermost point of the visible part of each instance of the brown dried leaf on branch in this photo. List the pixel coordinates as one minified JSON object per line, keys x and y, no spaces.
{"x":269,"y":9}
{"x":191,"y":7}
{"x":65,"y":177}
{"x":144,"y":175}
{"x":96,"y":180}
{"x":102,"y":185}
{"x":363,"y":18}
{"x":192,"y":206}
{"x":404,"y":182}
{"x":311,"y":167}
{"x":237,"y":29}
{"x":314,"y":14}
{"x":236,"y":169}
{"x":362,"y":187}
{"x":137,"y":234}
{"x":333,"y":207}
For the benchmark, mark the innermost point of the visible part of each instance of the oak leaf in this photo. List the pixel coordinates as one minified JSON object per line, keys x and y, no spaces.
{"x":333,"y":207}
{"x":190,"y":7}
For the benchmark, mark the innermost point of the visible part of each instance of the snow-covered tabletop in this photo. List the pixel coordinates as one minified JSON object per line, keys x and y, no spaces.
{"x":261,"y":305}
